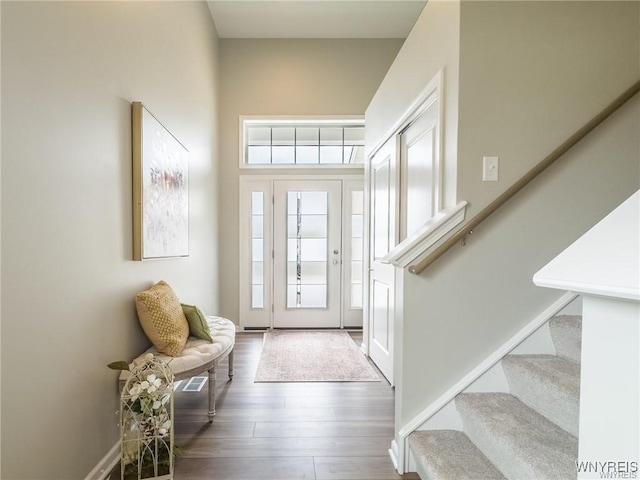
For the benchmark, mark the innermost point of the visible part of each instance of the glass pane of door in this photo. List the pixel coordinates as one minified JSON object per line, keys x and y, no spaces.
{"x":353,"y":257}
{"x":257,"y":251}
{"x":307,"y":255}
{"x":357,"y":244}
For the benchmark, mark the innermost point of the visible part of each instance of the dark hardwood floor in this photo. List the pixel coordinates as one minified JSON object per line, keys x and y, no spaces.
{"x":284,"y":431}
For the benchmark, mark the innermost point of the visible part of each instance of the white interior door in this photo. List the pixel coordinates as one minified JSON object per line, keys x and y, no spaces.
{"x":307,"y":254}
{"x":383,"y":186}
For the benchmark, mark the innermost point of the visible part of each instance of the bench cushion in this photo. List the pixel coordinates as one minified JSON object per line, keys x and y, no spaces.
{"x":198,"y":355}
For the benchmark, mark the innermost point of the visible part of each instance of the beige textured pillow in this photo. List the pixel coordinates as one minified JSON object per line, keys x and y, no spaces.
{"x":162,"y":319}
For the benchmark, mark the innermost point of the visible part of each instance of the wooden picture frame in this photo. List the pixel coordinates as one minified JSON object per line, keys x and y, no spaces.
{"x":160,"y":189}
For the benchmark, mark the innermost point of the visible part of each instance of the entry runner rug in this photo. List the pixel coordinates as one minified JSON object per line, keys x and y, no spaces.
{"x":303,"y":356}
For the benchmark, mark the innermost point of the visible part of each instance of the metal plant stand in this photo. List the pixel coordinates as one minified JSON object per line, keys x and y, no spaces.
{"x":146,"y":422}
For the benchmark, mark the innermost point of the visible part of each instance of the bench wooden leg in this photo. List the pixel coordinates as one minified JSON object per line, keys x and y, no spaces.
{"x":230,"y":365}
{"x":212,"y":393}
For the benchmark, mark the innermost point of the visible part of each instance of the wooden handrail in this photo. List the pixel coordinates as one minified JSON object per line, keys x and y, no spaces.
{"x":526,"y":179}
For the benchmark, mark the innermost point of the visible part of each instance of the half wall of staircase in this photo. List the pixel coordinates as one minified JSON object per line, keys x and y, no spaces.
{"x":529,"y":433}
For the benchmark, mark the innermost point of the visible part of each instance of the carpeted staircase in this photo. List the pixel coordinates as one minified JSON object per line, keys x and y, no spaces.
{"x":528,"y":434}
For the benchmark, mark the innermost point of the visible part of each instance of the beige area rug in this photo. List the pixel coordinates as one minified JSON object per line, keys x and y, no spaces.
{"x":312,"y":356}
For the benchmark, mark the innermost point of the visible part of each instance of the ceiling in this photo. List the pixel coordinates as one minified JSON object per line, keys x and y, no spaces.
{"x":315,"y":18}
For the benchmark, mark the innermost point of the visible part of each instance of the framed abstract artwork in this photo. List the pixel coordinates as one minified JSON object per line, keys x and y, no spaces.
{"x":160,"y":189}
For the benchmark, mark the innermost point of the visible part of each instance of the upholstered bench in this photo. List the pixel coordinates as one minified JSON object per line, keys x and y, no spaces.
{"x":199,"y":356}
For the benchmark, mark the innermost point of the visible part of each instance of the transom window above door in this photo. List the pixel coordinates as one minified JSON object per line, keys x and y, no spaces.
{"x":315,"y":142}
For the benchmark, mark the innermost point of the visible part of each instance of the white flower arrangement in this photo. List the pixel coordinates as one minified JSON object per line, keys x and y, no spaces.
{"x":148,"y":398}
{"x":146,"y":420}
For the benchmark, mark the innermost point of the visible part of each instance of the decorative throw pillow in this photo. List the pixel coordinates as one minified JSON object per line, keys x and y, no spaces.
{"x":162,"y":319}
{"x":198,"y":326}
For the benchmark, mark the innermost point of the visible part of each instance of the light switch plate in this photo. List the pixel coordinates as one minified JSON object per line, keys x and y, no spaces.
{"x":490,"y":169}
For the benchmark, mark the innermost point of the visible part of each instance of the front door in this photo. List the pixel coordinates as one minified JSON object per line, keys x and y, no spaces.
{"x":307,"y":253}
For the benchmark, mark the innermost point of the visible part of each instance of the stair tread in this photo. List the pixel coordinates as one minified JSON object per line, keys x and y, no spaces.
{"x":550,"y":370}
{"x":548,"y":384}
{"x":566,"y":332}
{"x":450,"y":455}
{"x":519,"y":441}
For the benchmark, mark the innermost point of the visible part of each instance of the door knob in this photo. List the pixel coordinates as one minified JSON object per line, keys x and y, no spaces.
{"x":335,"y":252}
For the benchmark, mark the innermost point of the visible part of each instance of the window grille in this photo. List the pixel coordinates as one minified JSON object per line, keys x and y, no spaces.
{"x":303,"y":142}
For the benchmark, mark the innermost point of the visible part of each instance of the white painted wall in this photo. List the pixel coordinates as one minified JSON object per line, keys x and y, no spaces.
{"x":531,"y":73}
{"x":285,"y":77}
{"x":434,"y":44}
{"x":69,"y":73}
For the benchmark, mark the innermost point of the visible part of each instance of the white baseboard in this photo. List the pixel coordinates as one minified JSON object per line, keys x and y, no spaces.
{"x":104,"y":466}
{"x":411,"y":465}
{"x":419,"y":420}
{"x":395,"y":457}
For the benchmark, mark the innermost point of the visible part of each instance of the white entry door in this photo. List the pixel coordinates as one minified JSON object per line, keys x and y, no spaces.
{"x":383,"y":185}
{"x":307,"y":254}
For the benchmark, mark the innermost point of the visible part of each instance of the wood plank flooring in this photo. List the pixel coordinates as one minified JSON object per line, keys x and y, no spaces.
{"x":284,"y":431}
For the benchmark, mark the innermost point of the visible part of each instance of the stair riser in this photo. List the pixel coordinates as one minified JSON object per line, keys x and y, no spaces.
{"x":559,"y":403}
{"x":566,"y":332}
{"x":519,"y":449}
{"x":498,"y":454}
{"x":450,"y":455}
